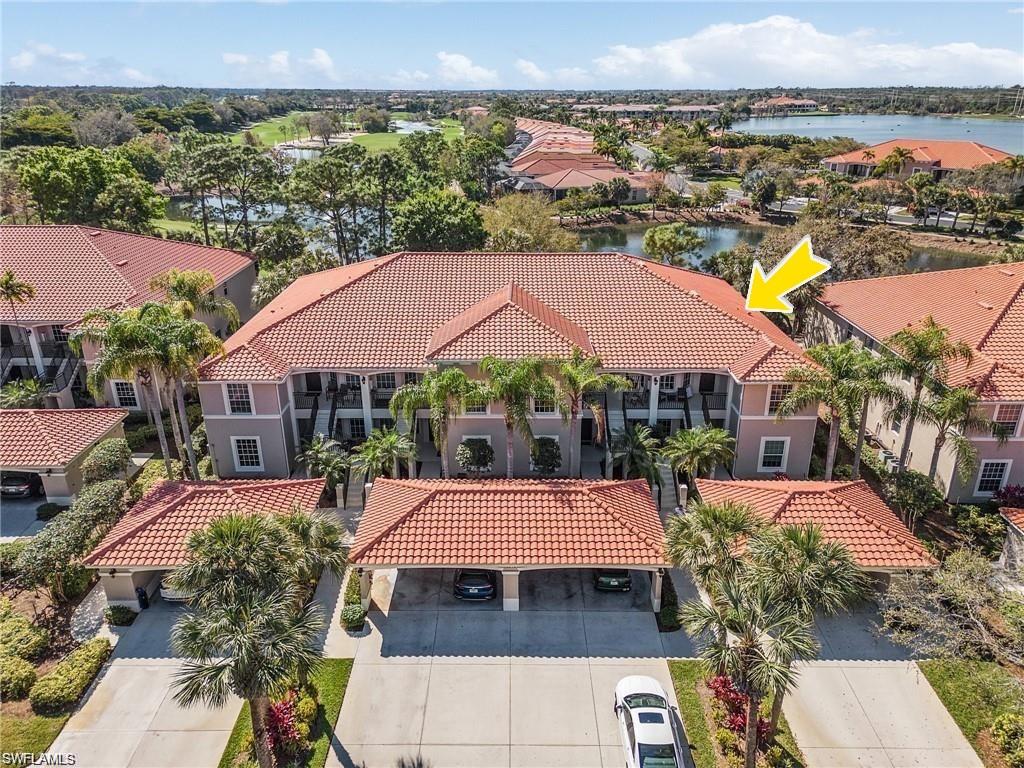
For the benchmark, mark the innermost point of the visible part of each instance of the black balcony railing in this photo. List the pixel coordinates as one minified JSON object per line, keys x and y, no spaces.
{"x":636,"y":398}
{"x":382,"y":398}
{"x":62,"y":372}
{"x":714,"y":401}
{"x":306,"y":400}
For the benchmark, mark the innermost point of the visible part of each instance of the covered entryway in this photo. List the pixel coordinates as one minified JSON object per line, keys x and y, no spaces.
{"x":543,"y":539}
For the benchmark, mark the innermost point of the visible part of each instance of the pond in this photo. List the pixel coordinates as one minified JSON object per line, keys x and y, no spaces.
{"x":1007,"y":135}
{"x":630,"y":239}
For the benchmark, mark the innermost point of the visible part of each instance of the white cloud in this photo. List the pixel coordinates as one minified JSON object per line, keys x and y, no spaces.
{"x":403,"y":77}
{"x":1018,"y":10}
{"x":43,"y":62}
{"x":532,"y":71}
{"x":321,"y":61}
{"x":572,"y":76}
{"x":236,"y":59}
{"x":281,"y":68}
{"x":783,"y":49}
{"x":278,"y":63}
{"x":139,"y":77}
{"x":458,"y":69}
{"x":42,"y":53}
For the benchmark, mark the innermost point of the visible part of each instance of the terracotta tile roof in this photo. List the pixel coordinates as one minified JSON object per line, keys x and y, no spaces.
{"x":155,"y":531}
{"x":585,"y":177}
{"x":385,"y":313}
{"x":50,"y":437}
{"x":1013,"y":516}
{"x":983,"y":306}
{"x":75,"y":269}
{"x":509,"y":522}
{"x":847,"y":511}
{"x":935,"y":152}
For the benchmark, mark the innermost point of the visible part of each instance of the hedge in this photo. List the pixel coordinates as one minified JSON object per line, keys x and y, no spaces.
{"x":19,"y":636}
{"x":9,"y":551}
{"x":137,"y":438}
{"x":152,"y":472}
{"x":107,"y":461}
{"x":66,"y":682}
{"x":17,"y":677}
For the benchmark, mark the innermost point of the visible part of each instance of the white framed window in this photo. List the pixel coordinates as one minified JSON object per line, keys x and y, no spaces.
{"x":477,"y":408}
{"x":59,"y":334}
{"x":992,"y":476}
{"x":776,"y":394}
{"x":357,"y":429}
{"x":384,"y":381}
{"x":541,"y":406}
{"x":774,"y":454}
{"x":238,"y":399}
{"x":1008,"y":417}
{"x":667,"y":383}
{"x":896,"y":425}
{"x":353,"y":380}
{"x":248,"y":454}
{"x":125,"y":394}
{"x":412,"y":377}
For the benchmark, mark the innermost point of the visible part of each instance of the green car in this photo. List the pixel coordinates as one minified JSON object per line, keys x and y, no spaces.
{"x":612,"y":580}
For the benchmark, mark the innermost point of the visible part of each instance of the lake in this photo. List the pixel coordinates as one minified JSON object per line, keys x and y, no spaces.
{"x":1007,"y":135}
{"x":630,"y":239}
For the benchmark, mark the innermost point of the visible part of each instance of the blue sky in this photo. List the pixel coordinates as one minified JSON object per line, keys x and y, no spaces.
{"x":513,"y":45}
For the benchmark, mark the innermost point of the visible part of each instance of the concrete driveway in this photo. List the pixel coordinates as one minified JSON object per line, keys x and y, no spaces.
{"x":129,"y":717}
{"x":468,"y":685}
{"x":866,"y":703}
{"x":18,"y":518}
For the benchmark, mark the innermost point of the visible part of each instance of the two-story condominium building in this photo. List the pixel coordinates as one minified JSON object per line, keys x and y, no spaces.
{"x":984,"y":307}
{"x":76,"y":269}
{"x":328,"y":353}
{"x":939,"y":157}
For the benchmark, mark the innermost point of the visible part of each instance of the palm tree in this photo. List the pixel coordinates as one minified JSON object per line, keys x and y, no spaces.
{"x":383,"y":451}
{"x":706,"y":540}
{"x":130,"y":347}
{"x":923,"y":355}
{"x":23,"y":393}
{"x":191,"y":291}
{"x":833,"y":383}
{"x":955,"y":413}
{"x":799,"y":567}
{"x":244,"y":636}
{"x":579,"y":375}
{"x":446,"y":393}
{"x":319,"y":545}
{"x":516,"y":384}
{"x":637,"y":448}
{"x":698,"y":451}
{"x":14,"y":291}
{"x":1015,"y":164}
{"x":754,"y":639}
{"x":892,"y":164}
{"x":700,"y":129}
{"x":324,"y":457}
{"x":660,"y":161}
{"x":872,"y":378}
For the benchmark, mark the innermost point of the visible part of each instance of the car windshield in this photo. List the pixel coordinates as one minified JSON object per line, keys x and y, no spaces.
{"x":473,"y":577}
{"x":645,"y":700}
{"x":657,"y":756}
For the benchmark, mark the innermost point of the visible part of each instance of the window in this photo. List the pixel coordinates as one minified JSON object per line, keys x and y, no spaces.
{"x":248,"y":457}
{"x":776,"y":394}
{"x":774,"y":453}
{"x":668,"y":382}
{"x":384,"y":423}
{"x":353,"y":381}
{"x":553,"y":438}
{"x":238,"y":398}
{"x":59,"y":334}
{"x":896,"y":425}
{"x":992,"y":476}
{"x":707,"y":383}
{"x":476,"y":408}
{"x":385,"y":380}
{"x":125,"y":395}
{"x":1008,"y":417}
{"x":543,"y":406}
{"x":357,"y":429}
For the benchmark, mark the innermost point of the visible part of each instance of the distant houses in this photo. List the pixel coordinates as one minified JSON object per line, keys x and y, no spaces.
{"x":938,"y":157}
{"x":780,"y":106}
{"x":675,"y":112}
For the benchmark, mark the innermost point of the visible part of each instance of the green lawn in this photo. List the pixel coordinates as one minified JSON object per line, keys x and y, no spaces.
{"x":32,"y":735}
{"x":269,"y":131}
{"x":330,"y":680}
{"x":974,"y":693}
{"x":172,"y":225}
{"x":378,"y":142}
{"x":729,"y":181}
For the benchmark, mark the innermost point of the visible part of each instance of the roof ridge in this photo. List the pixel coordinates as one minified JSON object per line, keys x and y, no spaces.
{"x":87,"y":239}
{"x":930,"y":272}
{"x":54,"y":449}
{"x":895,"y":534}
{"x":355,"y":554}
{"x":153,"y":237}
{"x":599,"y":500}
{"x":1002,"y":313}
{"x":145,"y":519}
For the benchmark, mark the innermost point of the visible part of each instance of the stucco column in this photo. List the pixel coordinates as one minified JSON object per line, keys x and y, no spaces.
{"x":364,"y":387}
{"x":652,"y":409}
{"x":510,"y":590}
{"x":656,"y":582}
{"x":365,"y":581}
{"x":37,"y":353}
{"x":291,"y":409}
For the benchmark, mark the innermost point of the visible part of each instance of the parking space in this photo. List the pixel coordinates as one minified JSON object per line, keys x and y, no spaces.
{"x":18,"y":517}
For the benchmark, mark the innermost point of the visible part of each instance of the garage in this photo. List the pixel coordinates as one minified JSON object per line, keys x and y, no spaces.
{"x":540,"y":542}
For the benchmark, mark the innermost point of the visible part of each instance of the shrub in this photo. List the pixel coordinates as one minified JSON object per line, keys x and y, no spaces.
{"x":1009,"y":496}
{"x":76,"y":581}
{"x":136,"y":419}
{"x":668,"y":616}
{"x":17,"y":677}
{"x":352,"y":617}
{"x":48,"y":510}
{"x":546,"y":455}
{"x":107,"y":461}
{"x":842,"y":472}
{"x":199,"y":440}
{"x":67,"y":681}
{"x":119,"y":615}
{"x":1008,"y":732}
{"x":474,"y":454}
{"x":352,"y":596}
{"x":205,"y":465}
{"x":306,"y":709}
{"x":913,"y":494}
{"x":9,"y":551}
{"x":152,"y":472}
{"x":19,"y":636}
{"x":984,"y":530}
{"x":726,"y":740}
{"x":282,"y":723}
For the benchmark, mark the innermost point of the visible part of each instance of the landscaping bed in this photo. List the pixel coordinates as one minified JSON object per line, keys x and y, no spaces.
{"x":330,"y":681}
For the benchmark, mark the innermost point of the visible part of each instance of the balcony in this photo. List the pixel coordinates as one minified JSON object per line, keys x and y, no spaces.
{"x":381,"y":398}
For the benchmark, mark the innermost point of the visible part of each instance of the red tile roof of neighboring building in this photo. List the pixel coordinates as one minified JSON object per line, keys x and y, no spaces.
{"x":509,"y":522}
{"x":847,"y":511}
{"x":939,"y":153}
{"x":155,"y":531}
{"x":1014,"y":517}
{"x":384,"y":314}
{"x":50,"y":437}
{"x":75,"y":269}
{"x":586,"y":177}
{"x":983,"y":306}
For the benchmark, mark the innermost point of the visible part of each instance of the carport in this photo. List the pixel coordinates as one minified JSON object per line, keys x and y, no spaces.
{"x":514,"y":527}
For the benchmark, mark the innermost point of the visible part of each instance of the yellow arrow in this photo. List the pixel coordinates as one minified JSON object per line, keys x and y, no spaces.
{"x":800,"y":266}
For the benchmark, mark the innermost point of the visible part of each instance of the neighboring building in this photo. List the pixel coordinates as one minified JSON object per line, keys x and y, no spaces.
{"x":676,"y":112}
{"x":151,"y":538}
{"x":475,"y":111}
{"x":982,"y":306}
{"x":1012,"y":556}
{"x":328,"y":353}
{"x":780,"y":106}
{"x":558,"y":183}
{"x":517,"y":527}
{"x":935,"y":156}
{"x":52,"y":443}
{"x":75,"y":269}
{"x":848,"y":511}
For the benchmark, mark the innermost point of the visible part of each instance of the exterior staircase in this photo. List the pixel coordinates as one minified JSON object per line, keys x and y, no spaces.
{"x":322,"y":425}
